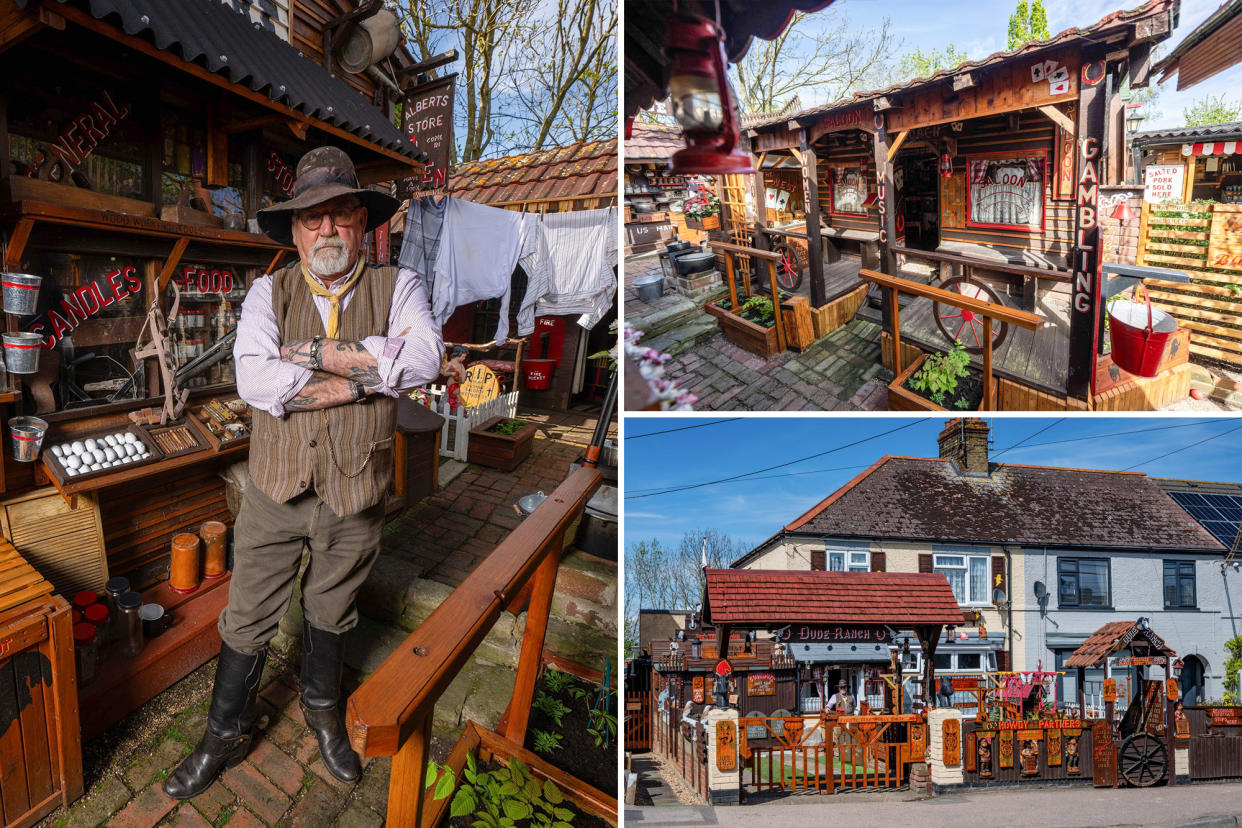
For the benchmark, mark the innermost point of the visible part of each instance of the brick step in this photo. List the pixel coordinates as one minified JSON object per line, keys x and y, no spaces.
{"x":685,"y":337}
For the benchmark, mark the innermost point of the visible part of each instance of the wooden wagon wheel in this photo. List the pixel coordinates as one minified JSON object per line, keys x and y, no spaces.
{"x":960,"y":324}
{"x":1143,"y":760}
{"x":789,"y":268}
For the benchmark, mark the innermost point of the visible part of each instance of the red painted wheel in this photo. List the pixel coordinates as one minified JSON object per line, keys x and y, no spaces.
{"x":789,"y":268}
{"x":958,"y":324}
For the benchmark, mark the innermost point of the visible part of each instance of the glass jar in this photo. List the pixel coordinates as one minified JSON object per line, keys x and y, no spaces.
{"x":129,"y":623}
{"x":85,"y":652}
{"x":113,"y":590}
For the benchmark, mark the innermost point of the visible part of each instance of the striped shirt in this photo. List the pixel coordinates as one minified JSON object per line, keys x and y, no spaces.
{"x":405,"y":362}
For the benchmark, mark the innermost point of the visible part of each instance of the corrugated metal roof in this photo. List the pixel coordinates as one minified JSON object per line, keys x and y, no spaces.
{"x":228,"y":43}
{"x":582,"y":170}
{"x":1114,"y":20}
{"x":1187,"y":133}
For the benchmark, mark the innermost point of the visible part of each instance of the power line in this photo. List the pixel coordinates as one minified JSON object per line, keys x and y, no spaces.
{"x":629,"y":437}
{"x":1031,"y":437}
{"x":783,"y":474}
{"x":1183,"y":448}
{"x":674,"y":489}
{"x":1126,"y":433}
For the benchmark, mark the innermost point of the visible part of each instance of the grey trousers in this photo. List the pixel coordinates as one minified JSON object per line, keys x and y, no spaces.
{"x":268,"y":543}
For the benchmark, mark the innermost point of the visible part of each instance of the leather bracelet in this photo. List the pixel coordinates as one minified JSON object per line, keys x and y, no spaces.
{"x":315,"y":347}
{"x":360,"y":390}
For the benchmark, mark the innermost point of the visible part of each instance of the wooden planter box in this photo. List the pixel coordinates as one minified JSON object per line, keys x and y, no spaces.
{"x":705,"y":223}
{"x":746,"y":335}
{"x":901,"y":398}
{"x":500,"y":451}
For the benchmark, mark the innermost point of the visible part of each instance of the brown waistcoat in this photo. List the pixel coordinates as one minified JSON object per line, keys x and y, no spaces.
{"x":295,"y":452}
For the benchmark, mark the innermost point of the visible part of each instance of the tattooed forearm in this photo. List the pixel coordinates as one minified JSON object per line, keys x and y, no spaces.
{"x":322,"y":390}
{"x":344,"y":358}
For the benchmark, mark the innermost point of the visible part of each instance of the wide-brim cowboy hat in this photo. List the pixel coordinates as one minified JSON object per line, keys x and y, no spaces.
{"x":323,"y":174}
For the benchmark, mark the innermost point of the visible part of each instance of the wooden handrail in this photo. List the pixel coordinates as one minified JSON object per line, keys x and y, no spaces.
{"x":766,"y":255}
{"x":985,"y":264}
{"x":390,"y":714}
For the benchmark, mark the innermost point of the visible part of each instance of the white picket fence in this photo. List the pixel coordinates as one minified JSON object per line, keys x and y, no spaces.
{"x":457,"y":424}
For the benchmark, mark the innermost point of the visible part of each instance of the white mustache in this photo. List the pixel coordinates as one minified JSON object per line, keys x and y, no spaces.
{"x":325,"y":244}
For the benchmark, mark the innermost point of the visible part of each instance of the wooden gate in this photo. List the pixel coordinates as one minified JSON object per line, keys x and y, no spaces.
{"x":638,"y":720}
{"x":784,"y":755}
{"x":871,"y":751}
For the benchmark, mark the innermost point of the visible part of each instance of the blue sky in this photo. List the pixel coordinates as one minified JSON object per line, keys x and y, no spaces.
{"x":751,"y":510}
{"x":981,"y":28}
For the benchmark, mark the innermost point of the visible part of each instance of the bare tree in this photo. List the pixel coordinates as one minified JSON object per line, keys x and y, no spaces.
{"x":819,"y":57}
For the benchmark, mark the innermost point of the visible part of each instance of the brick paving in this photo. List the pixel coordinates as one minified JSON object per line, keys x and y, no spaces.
{"x":283,"y":782}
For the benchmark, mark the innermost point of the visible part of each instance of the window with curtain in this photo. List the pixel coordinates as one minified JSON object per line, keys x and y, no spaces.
{"x":845,"y":560}
{"x":967,"y":575}
{"x":1179,"y":584}
{"x":1007,"y":191}
{"x":1083,"y":582}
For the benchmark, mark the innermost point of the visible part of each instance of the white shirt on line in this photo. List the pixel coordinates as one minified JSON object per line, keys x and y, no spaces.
{"x":267,"y":382}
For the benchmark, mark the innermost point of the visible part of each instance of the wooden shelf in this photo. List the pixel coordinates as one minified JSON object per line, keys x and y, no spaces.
{"x":123,"y":684}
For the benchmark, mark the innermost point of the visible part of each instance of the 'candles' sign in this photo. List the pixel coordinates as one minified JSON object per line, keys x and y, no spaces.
{"x":84,"y":302}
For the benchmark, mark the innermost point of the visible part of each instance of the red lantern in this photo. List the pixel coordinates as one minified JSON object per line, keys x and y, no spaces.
{"x":946,"y":165}
{"x":702,"y":102}
{"x":1124,"y":212}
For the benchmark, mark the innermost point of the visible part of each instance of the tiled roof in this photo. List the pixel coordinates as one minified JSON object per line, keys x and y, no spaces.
{"x":1187,"y":133}
{"x":581,"y":170}
{"x":914,"y":498}
{"x":763,"y":597}
{"x":1114,"y":636}
{"x":1094,"y":32}
{"x":652,"y":142}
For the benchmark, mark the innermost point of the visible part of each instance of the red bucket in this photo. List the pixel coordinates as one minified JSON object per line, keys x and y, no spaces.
{"x":1139,"y":334}
{"x":539,"y":373}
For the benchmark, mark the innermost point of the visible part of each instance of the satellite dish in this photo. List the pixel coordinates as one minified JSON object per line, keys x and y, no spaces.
{"x":1041,"y":591}
{"x":998,"y":595}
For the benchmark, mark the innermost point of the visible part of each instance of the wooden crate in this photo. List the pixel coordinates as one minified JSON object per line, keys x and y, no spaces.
{"x":40,"y":743}
{"x":838,"y":312}
{"x":64,"y":542}
{"x":1142,"y":394}
{"x":1014,"y":396}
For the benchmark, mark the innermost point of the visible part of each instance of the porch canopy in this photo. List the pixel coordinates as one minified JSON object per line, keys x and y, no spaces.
{"x":1112,"y":638}
{"x":767,"y":599}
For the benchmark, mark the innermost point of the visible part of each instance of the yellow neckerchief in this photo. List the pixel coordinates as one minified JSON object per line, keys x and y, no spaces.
{"x":334,"y":316}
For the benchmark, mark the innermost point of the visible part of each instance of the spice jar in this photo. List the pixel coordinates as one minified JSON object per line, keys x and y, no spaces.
{"x":183,"y":568}
{"x":215,"y":561}
{"x":85,"y":652}
{"x":97,"y":616}
{"x":113,"y":590}
{"x":129,"y":623}
{"x":84,"y":599}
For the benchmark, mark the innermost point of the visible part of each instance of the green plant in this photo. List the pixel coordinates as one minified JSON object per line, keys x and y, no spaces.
{"x":545,"y":742}
{"x":506,"y":797}
{"x":1233,"y":664}
{"x":940,"y":372}
{"x":962,"y":404}
{"x":603,"y":726}
{"x":507,"y":427}
{"x":552,"y":707}
{"x":759,"y":309}
{"x":556,"y":680}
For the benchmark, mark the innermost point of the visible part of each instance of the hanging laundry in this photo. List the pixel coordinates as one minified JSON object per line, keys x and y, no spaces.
{"x":583,"y":247}
{"x":423,"y":222}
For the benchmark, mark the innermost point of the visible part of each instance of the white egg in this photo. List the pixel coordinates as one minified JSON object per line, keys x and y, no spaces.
{"x":109,"y":454}
{"x":110,"y":439}
{"x":130,"y":437}
{"x":58,"y":451}
{"x":92,"y":444}
{"x":71,"y":461}
{"x":77,"y":447}
{"x":96,"y":467}
{"x":98,"y":456}
{"x":72,"y":472}
{"x":130,"y":450}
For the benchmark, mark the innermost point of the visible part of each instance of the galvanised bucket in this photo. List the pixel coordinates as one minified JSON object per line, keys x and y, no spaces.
{"x":27,"y":434}
{"x":21,"y":351}
{"x":21,"y":292}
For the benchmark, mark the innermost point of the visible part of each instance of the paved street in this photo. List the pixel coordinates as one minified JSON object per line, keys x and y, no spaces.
{"x":1203,"y":805}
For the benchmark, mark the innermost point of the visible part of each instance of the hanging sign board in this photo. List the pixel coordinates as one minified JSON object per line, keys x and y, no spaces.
{"x":427,"y":117}
{"x":760,"y":684}
{"x":1163,"y":182}
{"x":831,"y":634}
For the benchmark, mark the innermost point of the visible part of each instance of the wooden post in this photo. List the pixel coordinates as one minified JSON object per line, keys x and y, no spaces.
{"x":814,"y":238}
{"x":1140,"y":250}
{"x":890,"y":307}
{"x":732,"y":280}
{"x":986,"y":405}
{"x":885,"y":202}
{"x":1170,"y":722}
{"x":781,"y":342}
{"x":529,"y":660}
{"x":1085,"y":290}
{"x":1082,"y":693}
{"x":405,"y":783}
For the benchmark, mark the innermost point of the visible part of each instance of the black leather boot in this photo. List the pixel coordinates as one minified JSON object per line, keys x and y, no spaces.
{"x":323,"y":659}
{"x":229,"y":721}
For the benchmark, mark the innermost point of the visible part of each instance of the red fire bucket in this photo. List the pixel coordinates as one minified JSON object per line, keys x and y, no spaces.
{"x":1139,"y":335}
{"x":539,"y":373}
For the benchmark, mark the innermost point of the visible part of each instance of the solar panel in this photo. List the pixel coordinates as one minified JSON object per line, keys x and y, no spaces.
{"x":1220,"y":514}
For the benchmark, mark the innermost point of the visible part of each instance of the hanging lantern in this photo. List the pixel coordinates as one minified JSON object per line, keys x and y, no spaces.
{"x":702,"y":101}
{"x":1124,"y":211}
{"x":696,"y":648}
{"x":946,"y":165}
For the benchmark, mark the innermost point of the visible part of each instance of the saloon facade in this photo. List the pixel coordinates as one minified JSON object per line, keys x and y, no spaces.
{"x":1037,"y":557}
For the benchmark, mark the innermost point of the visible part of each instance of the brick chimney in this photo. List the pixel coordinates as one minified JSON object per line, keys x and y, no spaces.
{"x":965,"y":442}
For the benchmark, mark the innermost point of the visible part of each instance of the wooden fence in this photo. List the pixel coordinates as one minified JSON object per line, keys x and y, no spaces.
{"x":684,"y":745}
{"x":455,"y":436}
{"x":1204,"y":240}
{"x":638,"y":720}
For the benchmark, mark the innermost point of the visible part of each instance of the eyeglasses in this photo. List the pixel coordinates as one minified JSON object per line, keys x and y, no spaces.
{"x":341,"y":217}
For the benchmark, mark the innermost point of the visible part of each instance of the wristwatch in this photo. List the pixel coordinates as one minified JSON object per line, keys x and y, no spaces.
{"x":315,"y":347}
{"x":360,"y":390}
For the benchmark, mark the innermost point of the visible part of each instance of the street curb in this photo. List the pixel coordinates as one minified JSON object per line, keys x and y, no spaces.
{"x":1212,"y":822}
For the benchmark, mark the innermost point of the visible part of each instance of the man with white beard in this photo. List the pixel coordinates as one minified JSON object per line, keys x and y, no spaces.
{"x":324,"y":347}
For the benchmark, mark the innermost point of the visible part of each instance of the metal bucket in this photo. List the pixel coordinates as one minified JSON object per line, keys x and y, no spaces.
{"x":21,"y":351}
{"x":21,"y":293}
{"x":650,"y":287}
{"x":530,"y":502}
{"x":27,"y":434}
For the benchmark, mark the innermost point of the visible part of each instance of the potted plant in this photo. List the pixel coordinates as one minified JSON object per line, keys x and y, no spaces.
{"x":751,"y":327}
{"x":501,"y":443}
{"x":702,"y":212}
{"x":943,"y":381}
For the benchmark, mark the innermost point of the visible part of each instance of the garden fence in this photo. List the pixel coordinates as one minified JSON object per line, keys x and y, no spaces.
{"x":455,"y":436}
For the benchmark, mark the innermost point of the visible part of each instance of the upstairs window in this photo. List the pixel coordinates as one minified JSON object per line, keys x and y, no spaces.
{"x":1084,"y":582}
{"x":1179,"y":585}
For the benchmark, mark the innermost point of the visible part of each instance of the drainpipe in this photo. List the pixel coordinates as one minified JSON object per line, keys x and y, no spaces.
{"x":1009,"y":611}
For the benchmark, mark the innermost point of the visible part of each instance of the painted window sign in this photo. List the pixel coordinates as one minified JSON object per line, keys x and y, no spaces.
{"x":84,"y":302}
{"x":848,"y":191}
{"x":1007,"y":191}
{"x":198,"y":280}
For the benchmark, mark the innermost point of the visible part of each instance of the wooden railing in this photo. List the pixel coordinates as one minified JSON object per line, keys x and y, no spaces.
{"x":768,"y":258}
{"x":969,"y":265}
{"x":391,"y":713}
{"x":990,"y":311}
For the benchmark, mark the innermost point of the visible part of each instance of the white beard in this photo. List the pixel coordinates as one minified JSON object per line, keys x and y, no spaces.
{"x":329,"y":257}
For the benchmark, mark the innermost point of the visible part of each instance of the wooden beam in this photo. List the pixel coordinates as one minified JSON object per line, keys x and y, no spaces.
{"x":901,"y":139}
{"x":1059,"y":118}
{"x":810,"y":206}
{"x":257,"y":122}
{"x":174,"y":258}
{"x":17,"y":243}
{"x":884,"y":104}
{"x":1140,"y":65}
{"x":85,"y":20}
{"x":963,"y":81}
{"x":797,"y":154}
